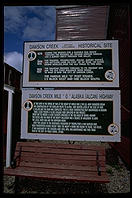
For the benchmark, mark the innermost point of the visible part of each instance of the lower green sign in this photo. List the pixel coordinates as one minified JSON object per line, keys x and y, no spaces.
{"x":91,"y":115}
{"x":70,"y":117}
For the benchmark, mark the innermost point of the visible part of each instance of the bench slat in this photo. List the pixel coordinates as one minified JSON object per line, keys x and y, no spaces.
{"x":62,"y":166}
{"x":90,"y":177}
{"x":58,"y":150}
{"x":43,"y":156}
{"x":59,"y":145}
{"x":63,"y":161}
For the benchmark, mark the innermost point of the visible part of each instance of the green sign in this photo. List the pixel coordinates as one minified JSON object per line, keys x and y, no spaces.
{"x":68,"y":117}
{"x":82,"y":115}
{"x":71,"y":65}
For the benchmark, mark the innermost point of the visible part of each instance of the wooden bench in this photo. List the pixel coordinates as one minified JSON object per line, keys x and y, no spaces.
{"x":71,"y":162}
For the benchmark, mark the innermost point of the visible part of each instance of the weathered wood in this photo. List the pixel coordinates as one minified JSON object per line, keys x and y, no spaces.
{"x":59,"y":162}
{"x":58,"y":150}
{"x":123,"y":148}
{"x":57,"y":175}
{"x":59,"y":145}
{"x":43,"y":156}
{"x":62,"y":167}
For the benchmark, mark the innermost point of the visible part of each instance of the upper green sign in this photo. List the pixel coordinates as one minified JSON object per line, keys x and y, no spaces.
{"x":71,"y":64}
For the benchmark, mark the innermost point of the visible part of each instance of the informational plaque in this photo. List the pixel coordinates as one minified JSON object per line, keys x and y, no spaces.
{"x":79,"y":115}
{"x":71,"y":64}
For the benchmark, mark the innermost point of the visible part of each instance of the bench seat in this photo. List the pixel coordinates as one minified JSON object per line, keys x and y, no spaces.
{"x":54,"y":161}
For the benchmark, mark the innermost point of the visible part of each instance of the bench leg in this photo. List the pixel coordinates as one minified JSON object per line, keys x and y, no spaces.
{"x":16,"y":185}
{"x":91,"y":188}
{"x":94,"y":188}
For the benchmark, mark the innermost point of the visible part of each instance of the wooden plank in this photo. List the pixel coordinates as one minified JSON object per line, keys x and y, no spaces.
{"x":63,"y":146}
{"x":123,"y":153}
{"x":61,"y":166}
{"x":123,"y":148}
{"x":65,"y":152}
{"x":60,"y":156}
{"x":63,"y":161}
{"x":57,"y":151}
{"x":59,"y":171}
{"x":59,"y":176}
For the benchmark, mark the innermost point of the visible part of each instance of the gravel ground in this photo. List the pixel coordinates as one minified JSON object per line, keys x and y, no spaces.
{"x":118,"y":173}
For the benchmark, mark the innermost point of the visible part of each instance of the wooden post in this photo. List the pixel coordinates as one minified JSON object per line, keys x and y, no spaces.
{"x":9,"y":124}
